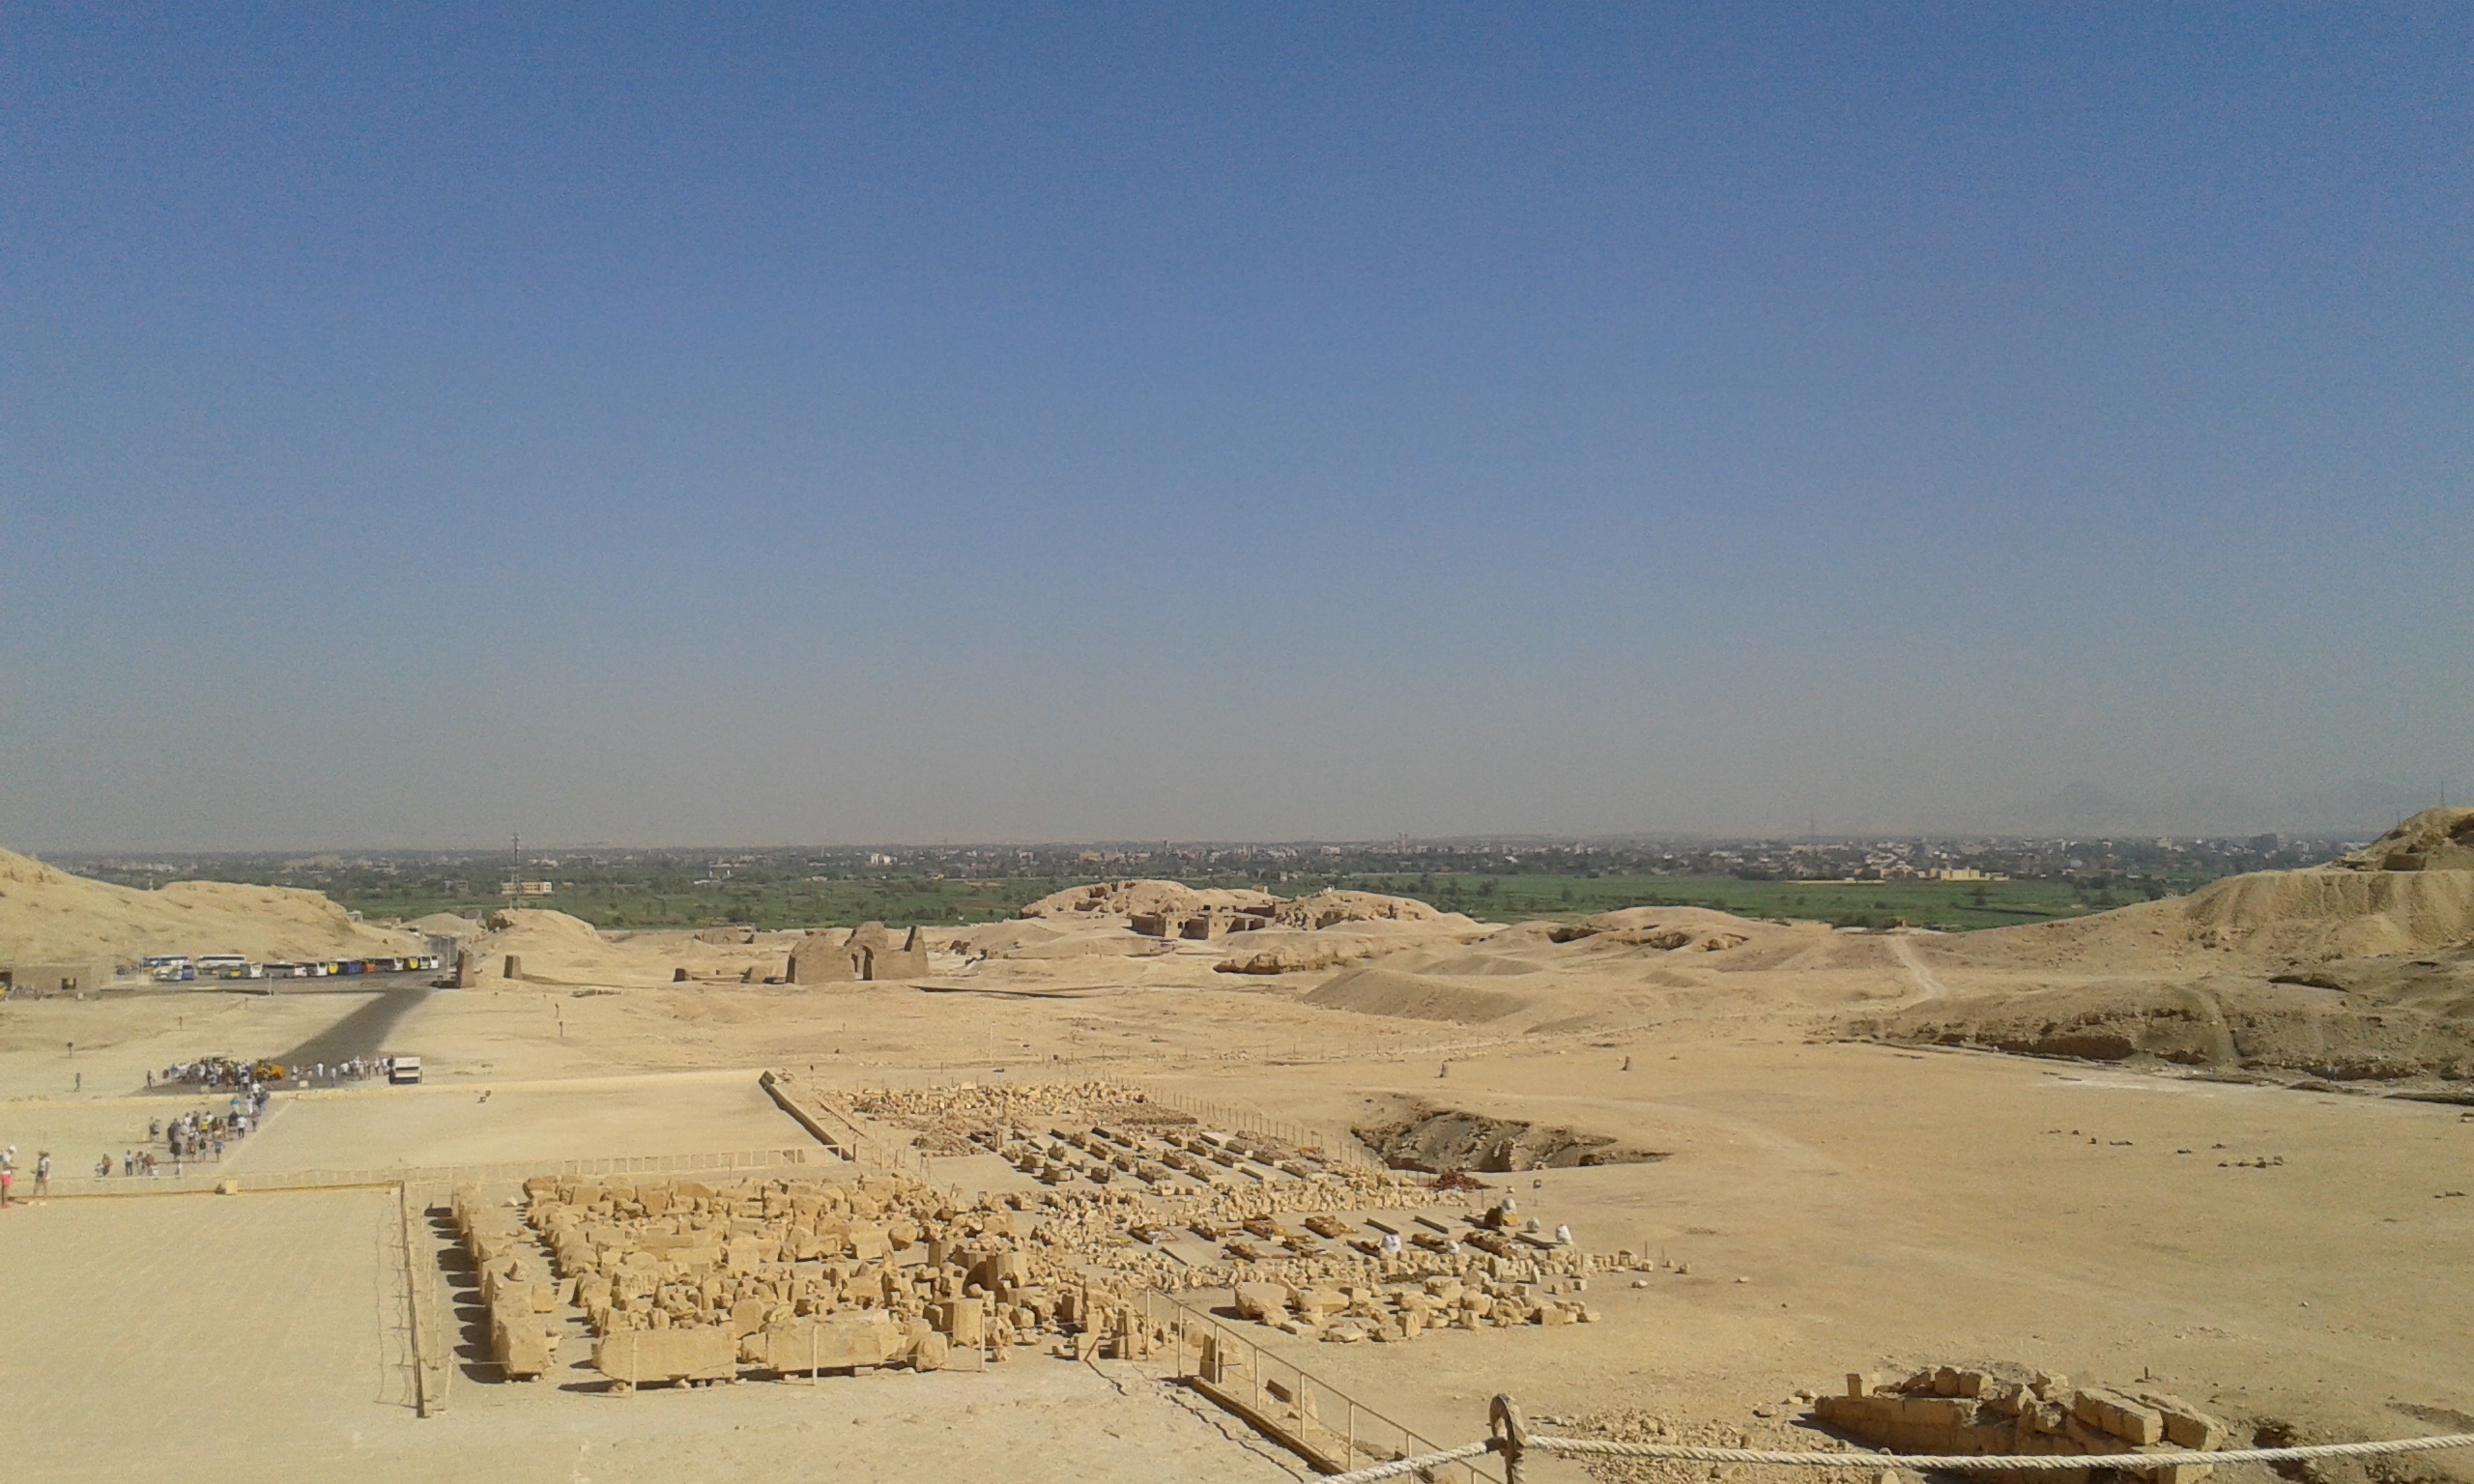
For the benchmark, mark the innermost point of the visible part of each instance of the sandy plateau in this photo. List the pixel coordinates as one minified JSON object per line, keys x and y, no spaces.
{"x":2218,"y":1147}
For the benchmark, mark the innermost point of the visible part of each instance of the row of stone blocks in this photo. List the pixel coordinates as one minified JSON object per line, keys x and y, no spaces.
{"x":706,"y":1352}
{"x":518,"y":1295}
{"x":1949,"y":1411}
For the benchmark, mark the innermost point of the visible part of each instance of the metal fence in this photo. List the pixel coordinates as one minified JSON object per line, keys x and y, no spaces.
{"x":1302,"y":1410}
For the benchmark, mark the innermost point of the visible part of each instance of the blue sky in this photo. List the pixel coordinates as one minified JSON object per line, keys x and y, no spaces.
{"x":635,"y":424}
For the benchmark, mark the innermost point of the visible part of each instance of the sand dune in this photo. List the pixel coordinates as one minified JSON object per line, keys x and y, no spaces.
{"x":2349,"y":970}
{"x":50,"y":915}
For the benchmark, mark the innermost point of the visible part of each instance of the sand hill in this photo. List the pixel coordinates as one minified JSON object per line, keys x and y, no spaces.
{"x":2435,"y":840}
{"x":2361,"y":968}
{"x":1615,"y":968}
{"x":50,"y":915}
{"x":2268,"y":918}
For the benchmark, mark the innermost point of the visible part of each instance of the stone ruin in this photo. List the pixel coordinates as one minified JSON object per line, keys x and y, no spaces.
{"x":1206,"y":924}
{"x":2009,"y":1409}
{"x":517,"y":1290}
{"x":684,"y":1281}
{"x":862,"y":954}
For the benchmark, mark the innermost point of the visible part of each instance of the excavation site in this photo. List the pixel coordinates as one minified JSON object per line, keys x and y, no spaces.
{"x":1203,"y":1185}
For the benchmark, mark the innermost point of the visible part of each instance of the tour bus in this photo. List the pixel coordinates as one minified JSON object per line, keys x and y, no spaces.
{"x":224,"y":966}
{"x":165,"y":962}
{"x":404,"y":1071}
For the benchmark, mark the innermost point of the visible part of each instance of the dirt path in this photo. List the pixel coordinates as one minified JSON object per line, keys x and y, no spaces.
{"x":1927,"y":987}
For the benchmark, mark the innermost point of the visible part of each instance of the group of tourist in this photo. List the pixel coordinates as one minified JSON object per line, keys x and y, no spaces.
{"x":209,"y":1072}
{"x":9,"y":1176}
{"x":192,"y":1135}
{"x":224,"y":1072}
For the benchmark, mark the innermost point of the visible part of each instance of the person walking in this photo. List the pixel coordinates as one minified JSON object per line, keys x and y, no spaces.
{"x":43,"y":1175}
{"x":8,"y":1176}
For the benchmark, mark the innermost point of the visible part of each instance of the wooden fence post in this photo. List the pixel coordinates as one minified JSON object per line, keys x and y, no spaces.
{"x":1505,"y":1421}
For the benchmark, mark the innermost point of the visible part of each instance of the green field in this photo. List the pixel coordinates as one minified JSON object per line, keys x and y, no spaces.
{"x":768,"y":904}
{"x":903,"y":900}
{"x":1857,"y":905}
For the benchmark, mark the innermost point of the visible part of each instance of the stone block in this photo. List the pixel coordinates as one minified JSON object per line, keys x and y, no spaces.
{"x":2185,"y":1425}
{"x":747,"y":1316}
{"x":2120,"y":1415}
{"x":1262,"y":1300}
{"x":1316,"y":1303}
{"x":640,"y":1356}
{"x":832,"y":1342}
{"x":520,"y":1342}
{"x":963,"y":1320}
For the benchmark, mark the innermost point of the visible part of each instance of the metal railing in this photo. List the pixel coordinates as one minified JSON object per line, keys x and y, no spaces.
{"x":1302,"y":1410}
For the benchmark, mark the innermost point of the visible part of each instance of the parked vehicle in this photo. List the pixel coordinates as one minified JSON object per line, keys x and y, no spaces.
{"x":406,"y":1072}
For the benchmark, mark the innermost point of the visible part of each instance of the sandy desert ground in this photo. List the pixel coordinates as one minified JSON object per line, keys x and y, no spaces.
{"x":2165,"y":1145}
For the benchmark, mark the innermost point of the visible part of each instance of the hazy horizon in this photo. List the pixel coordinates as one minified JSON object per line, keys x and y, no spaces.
{"x":2106,"y":822}
{"x":1250,"y":423}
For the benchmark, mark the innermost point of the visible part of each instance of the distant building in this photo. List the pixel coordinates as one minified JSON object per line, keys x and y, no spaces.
{"x":525,"y":889}
{"x":865,"y":954}
{"x":74,"y":977}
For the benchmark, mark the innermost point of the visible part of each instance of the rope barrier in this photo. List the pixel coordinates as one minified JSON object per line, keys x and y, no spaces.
{"x":1400,"y":1466}
{"x":1510,"y":1435}
{"x":1687,"y":1453}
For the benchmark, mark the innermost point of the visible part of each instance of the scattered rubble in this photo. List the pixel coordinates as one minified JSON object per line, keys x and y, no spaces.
{"x":2012,"y":1410}
{"x":684,"y":1281}
{"x":1445,"y":1140}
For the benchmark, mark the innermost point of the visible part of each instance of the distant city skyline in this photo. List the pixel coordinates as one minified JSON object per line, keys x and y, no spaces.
{"x":1247,"y":423}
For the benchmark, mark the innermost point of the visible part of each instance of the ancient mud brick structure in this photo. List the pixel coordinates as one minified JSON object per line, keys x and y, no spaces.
{"x":2003,"y":1409}
{"x":864,"y":954}
{"x":1206,"y":924}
